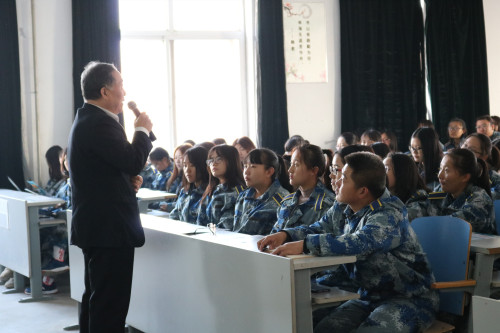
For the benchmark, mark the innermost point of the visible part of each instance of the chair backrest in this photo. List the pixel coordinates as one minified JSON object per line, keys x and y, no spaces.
{"x":496,"y":204}
{"x":446,"y":242}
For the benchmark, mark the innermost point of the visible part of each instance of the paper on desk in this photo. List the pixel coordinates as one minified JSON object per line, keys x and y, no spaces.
{"x":4,"y":214}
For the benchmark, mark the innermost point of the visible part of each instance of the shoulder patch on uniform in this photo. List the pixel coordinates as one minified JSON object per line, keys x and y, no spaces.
{"x":278,"y":198}
{"x":437,"y":195}
{"x":319,"y":202}
{"x":239,"y":189}
{"x":290,"y":196}
{"x":376,"y":204}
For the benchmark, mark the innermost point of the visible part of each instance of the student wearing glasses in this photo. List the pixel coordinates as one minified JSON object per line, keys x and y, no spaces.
{"x":457,"y":131}
{"x":484,"y":125}
{"x":466,"y":191}
{"x":195,"y":181}
{"x":426,"y":151}
{"x":226,"y":183}
{"x":256,"y":207}
{"x":311,"y":200}
{"x":481,"y":146}
{"x":404,"y":182}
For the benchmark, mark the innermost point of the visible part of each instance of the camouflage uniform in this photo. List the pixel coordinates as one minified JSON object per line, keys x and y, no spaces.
{"x":188,"y":205}
{"x":65,"y":194}
{"x":148,"y":175}
{"x":220,"y":209}
{"x":256,"y":216}
{"x":495,"y":184}
{"x":176,"y":183}
{"x":53,"y":186}
{"x":291,"y":214}
{"x":417,"y":205}
{"x":391,"y":274}
{"x":474,"y":205}
{"x":162,"y":178}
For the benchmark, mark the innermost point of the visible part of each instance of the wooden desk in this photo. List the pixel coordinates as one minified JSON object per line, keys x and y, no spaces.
{"x":487,"y":250}
{"x":147,"y":196}
{"x":221,"y":283}
{"x":20,"y":238}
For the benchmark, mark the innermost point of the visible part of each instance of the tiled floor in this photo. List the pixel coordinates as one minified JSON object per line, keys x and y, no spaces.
{"x":46,"y":317}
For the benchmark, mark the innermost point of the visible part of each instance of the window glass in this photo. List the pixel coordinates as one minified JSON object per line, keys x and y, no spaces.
{"x":203,"y":15}
{"x":144,"y":15}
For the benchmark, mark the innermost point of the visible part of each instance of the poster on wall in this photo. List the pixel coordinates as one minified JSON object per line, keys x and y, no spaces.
{"x":305,"y":41}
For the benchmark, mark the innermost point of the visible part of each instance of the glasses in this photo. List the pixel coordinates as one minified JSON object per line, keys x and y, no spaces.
{"x":414,"y":149}
{"x":216,"y":160}
{"x":335,"y":171}
{"x":482,"y":126}
{"x":455,"y":128}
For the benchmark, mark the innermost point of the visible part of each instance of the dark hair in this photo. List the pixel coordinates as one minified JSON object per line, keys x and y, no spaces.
{"x":206,"y":144}
{"x":488,"y":149}
{"x":234,"y":172}
{"x":270,"y":159}
{"x":219,"y":141}
{"x":191,"y":142}
{"x":312,"y":156}
{"x":465,"y":162}
{"x":326,"y":175}
{"x":294,"y":141}
{"x":95,"y":76}
{"x":485,"y":117}
{"x":198,"y":157}
{"x":368,"y":171}
{"x":353,"y":149}
{"x":426,"y":123}
{"x":495,"y":120}
{"x":372,"y":134}
{"x":462,"y":123}
{"x":350,"y":138}
{"x":244,"y":142}
{"x":432,"y":152}
{"x":380,"y":149}
{"x":53,"y":156}
{"x":393,"y":146}
{"x":176,"y":172}
{"x":408,"y":180}
{"x":158,"y":154}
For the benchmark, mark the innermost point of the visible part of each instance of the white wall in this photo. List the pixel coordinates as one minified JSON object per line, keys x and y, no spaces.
{"x":492,"y":26}
{"x":47,"y":91}
{"x":314,"y":108}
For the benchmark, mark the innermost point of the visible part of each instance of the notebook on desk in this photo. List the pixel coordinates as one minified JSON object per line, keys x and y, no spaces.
{"x":37,"y":188}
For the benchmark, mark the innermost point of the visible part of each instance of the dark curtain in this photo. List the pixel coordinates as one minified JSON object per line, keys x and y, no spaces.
{"x":96,"y":36}
{"x":272,"y":128}
{"x":11,"y":149}
{"x":382,"y":61}
{"x":456,"y":53}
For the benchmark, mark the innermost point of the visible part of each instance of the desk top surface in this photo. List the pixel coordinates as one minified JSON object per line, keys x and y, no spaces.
{"x":148,"y":194}
{"x":237,"y":240}
{"x":31,"y":199}
{"x":487,"y":244}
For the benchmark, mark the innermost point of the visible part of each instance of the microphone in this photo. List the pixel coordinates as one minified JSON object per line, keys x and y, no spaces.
{"x":132,"y":106}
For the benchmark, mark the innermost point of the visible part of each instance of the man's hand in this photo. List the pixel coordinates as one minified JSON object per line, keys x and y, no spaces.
{"x":289,"y":249}
{"x":136,"y":182}
{"x":143,"y":121}
{"x":272,"y":241}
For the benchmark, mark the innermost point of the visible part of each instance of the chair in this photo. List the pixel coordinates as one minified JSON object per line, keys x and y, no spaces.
{"x":446,"y":241}
{"x":496,"y":204}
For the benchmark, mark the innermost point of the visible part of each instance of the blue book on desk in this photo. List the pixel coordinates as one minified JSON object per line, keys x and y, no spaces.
{"x":38,"y":189}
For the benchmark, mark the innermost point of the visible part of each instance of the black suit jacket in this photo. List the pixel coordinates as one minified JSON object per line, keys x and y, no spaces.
{"x":101,"y":162}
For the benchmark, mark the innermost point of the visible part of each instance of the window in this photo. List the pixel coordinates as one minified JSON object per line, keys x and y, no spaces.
{"x":185,"y":63}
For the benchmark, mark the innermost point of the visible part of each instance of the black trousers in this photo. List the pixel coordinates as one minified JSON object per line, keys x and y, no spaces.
{"x":108,"y":283}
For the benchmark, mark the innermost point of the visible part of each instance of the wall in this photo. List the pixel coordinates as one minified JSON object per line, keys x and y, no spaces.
{"x":492,"y":26}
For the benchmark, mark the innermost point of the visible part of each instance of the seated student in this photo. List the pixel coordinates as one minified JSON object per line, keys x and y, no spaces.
{"x":484,"y":125}
{"x":391,"y":140}
{"x":292,"y":142}
{"x":495,"y":120}
{"x":466,"y":191}
{"x":457,"y":131}
{"x":426,"y":150}
{"x":404,"y":182}
{"x":219,"y":141}
{"x":148,"y":174}
{"x":346,"y":139}
{"x":257,"y":206}
{"x":244,"y":146}
{"x":380,"y":149}
{"x":392,"y":275}
{"x":481,"y":146}
{"x":226,"y":183}
{"x":205,"y":144}
{"x":326,"y":178}
{"x":161,"y":161}
{"x":338,"y":161}
{"x":311,"y":200}
{"x":195,"y":181}
{"x":370,"y":136}
{"x":54,"y":157}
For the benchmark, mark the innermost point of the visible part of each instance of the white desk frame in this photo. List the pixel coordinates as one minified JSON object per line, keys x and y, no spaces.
{"x":206,"y":283}
{"x":146,"y":196}
{"x":487,"y":250}
{"x":20,"y":239}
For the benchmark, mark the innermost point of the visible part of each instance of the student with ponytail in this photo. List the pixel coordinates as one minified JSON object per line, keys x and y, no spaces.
{"x":466,"y":191}
{"x":226,"y":183}
{"x":256,"y":207}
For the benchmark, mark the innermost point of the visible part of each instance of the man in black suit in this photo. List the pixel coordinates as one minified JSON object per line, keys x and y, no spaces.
{"x":103,"y":168}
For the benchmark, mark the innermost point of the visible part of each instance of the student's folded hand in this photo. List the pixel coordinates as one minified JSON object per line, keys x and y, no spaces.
{"x":136,"y":182}
{"x":289,"y":249}
{"x":272,"y":241}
